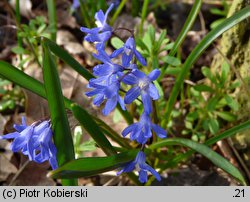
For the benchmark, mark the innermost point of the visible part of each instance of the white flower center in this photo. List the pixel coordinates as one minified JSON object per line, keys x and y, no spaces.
{"x":127,"y":51}
{"x":143,"y":84}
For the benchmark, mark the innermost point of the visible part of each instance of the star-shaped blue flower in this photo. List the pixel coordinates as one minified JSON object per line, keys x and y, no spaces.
{"x":103,"y":31}
{"x":106,"y":88}
{"x":142,"y":130}
{"x":140,"y":163}
{"x":142,"y":85}
{"x":128,"y":51}
{"x":35,"y":141}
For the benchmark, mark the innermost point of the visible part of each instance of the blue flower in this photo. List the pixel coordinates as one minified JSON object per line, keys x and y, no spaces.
{"x":106,"y":88}
{"x":103,"y":31}
{"x":142,"y":130}
{"x":128,"y":51}
{"x":75,"y":4}
{"x":108,"y":68}
{"x":142,"y":85}
{"x":140,"y":162}
{"x":35,"y":141}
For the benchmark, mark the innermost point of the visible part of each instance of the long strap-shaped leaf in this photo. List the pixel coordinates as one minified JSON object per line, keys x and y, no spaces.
{"x":89,"y":166}
{"x":205,"y":151}
{"x":62,"y":134}
{"x":202,"y":46}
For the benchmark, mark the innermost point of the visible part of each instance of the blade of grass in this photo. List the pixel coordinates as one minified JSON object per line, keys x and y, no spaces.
{"x":198,"y":50}
{"x":62,"y":134}
{"x":143,"y":15}
{"x":181,"y":37}
{"x":218,"y":160}
{"x":19,"y":38}
{"x":51,"y":4}
{"x":84,"y":12}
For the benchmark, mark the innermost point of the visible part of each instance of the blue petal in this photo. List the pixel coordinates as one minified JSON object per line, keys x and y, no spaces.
{"x":143,"y":176}
{"x":139,"y":74}
{"x":153,"y":92}
{"x":108,"y":11}
{"x":103,"y":37}
{"x":102,"y":70}
{"x":53,"y":163}
{"x":146,"y":100}
{"x":98,"y":99}
{"x":110,"y":105}
{"x":126,"y":59}
{"x":160,"y":132}
{"x":121,"y":102}
{"x":140,"y":58}
{"x":102,"y":56}
{"x":132,"y":94}
{"x":99,"y":16}
{"x":21,"y":140}
{"x":127,"y":168}
{"x":154,"y":74}
{"x":90,"y":31}
{"x":116,"y":52}
{"x":93,"y":92}
{"x":129,"y":129}
{"x":10,"y":136}
{"x":129,"y":79}
{"x":146,"y":167}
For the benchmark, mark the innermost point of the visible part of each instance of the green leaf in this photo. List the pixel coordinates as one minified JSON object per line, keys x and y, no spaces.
{"x":85,"y":167}
{"x":62,"y":134}
{"x":226,"y":116}
{"x":199,"y":49}
{"x":207,"y":73}
{"x":232,"y":103}
{"x":225,"y":68}
{"x":87,"y":146}
{"x":117,"y":116}
{"x":211,"y":105}
{"x":68,"y":59}
{"x":218,"y":160}
{"x":116,"y":42}
{"x":203,"y":88}
{"x":18,"y":50}
{"x":213,"y":125}
{"x":172,"y":61}
{"x":173,"y":70}
{"x":93,"y":129}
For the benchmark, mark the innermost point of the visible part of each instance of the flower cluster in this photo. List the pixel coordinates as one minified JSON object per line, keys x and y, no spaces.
{"x":106,"y":87}
{"x":34,"y":141}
